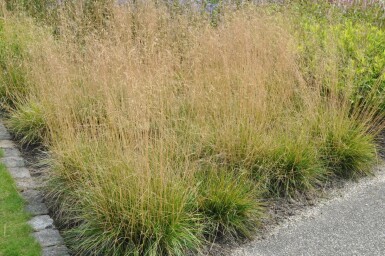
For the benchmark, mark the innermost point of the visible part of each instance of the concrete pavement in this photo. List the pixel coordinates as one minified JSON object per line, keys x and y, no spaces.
{"x":351,"y":223}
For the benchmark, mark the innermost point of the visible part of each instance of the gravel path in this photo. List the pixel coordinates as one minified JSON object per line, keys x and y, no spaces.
{"x":351,"y":223}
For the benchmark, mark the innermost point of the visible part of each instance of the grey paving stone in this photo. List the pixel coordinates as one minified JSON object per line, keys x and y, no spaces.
{"x":2,"y":128}
{"x":11,"y":152}
{"x":48,"y":237}
{"x":33,"y":196}
{"x":4,"y":135}
{"x":45,"y":233}
{"x":24,"y":184}
{"x":6,"y":144}
{"x":19,"y":172}
{"x":36,"y":208}
{"x":11,"y":162}
{"x":41,"y":222}
{"x":55,"y":251}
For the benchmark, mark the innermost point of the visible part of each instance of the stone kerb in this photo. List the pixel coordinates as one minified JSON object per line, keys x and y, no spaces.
{"x":44,"y":230}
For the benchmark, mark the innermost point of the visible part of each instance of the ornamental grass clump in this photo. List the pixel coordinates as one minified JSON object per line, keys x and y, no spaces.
{"x":291,"y":167}
{"x":346,"y":149}
{"x":13,"y":40}
{"x":27,"y":123}
{"x":168,"y":131}
{"x":229,"y":202}
{"x":111,"y":205}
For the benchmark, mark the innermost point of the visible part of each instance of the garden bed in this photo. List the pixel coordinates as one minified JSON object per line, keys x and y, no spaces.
{"x":169,"y":129}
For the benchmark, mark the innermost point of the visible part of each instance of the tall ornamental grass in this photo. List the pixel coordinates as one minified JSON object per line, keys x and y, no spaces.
{"x":167,"y":131}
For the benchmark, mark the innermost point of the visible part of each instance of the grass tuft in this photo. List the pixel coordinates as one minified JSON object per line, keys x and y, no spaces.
{"x":347,"y":150}
{"x":229,"y":203}
{"x":115,"y":214}
{"x":133,"y":101}
{"x":28,"y":124}
{"x":290,"y":167}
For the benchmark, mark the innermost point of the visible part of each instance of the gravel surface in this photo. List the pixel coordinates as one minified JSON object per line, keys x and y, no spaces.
{"x":352,"y":222}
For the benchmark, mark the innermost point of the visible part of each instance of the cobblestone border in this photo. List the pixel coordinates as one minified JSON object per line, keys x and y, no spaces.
{"x":44,"y":231}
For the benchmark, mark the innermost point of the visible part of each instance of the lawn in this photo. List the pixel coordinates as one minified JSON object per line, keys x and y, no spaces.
{"x":15,"y":235}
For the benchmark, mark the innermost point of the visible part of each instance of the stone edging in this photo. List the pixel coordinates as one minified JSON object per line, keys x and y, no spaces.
{"x":44,"y":231}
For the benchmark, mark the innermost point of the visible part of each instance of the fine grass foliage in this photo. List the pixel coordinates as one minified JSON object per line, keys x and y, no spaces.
{"x":229,"y":203}
{"x":292,"y":166}
{"x":27,"y":123}
{"x":160,"y":218}
{"x":17,"y":33}
{"x":12,"y":76}
{"x":346,"y":149}
{"x":168,"y":126}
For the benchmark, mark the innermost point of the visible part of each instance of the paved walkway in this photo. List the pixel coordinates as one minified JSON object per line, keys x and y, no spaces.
{"x":352,"y":223}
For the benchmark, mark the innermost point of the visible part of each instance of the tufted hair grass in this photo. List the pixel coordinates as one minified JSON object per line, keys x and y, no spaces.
{"x":167,"y":132}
